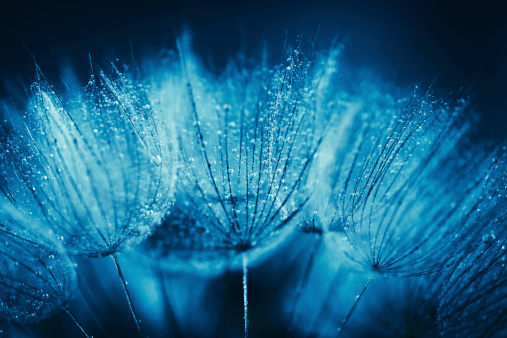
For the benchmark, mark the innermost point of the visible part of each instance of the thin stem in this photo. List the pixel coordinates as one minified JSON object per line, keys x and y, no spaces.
{"x":245,"y":294}
{"x":127,"y":294}
{"x":71,"y":315}
{"x":304,"y":282}
{"x":356,"y":303}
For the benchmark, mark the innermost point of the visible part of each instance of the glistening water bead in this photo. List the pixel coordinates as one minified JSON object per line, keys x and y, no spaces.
{"x":36,"y":281}
{"x":95,"y":168}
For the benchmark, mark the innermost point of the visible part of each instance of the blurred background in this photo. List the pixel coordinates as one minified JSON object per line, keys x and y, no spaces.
{"x":462,"y":44}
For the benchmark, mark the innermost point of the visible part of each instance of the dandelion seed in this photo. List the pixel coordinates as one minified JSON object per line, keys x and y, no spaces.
{"x":473,"y":300}
{"x":36,"y":281}
{"x":242,"y":184}
{"x":387,"y":189}
{"x":397,"y":162}
{"x":109,"y":165}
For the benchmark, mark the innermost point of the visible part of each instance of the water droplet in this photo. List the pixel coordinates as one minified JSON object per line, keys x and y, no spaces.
{"x":157,"y":160}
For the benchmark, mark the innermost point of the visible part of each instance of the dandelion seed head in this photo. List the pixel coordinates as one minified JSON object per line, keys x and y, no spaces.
{"x":35,"y":281}
{"x":246,"y":145}
{"x":473,"y":300}
{"x":96,"y":167}
{"x":394,"y":158}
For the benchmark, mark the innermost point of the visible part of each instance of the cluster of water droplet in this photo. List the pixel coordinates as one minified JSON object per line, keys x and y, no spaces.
{"x":35,"y":281}
{"x":397,"y":158}
{"x":473,"y":300}
{"x":247,"y":139}
{"x":96,"y":168}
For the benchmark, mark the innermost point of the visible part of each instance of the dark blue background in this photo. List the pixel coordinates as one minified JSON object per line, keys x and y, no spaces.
{"x":464,"y":43}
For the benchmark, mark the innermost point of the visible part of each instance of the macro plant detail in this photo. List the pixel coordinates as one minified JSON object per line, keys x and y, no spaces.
{"x":246,"y":145}
{"x":379,"y":194}
{"x":36,"y":281}
{"x":377,"y":190}
{"x":472,"y":299}
{"x":249,"y":159}
{"x":94,"y":170}
{"x":95,"y":202}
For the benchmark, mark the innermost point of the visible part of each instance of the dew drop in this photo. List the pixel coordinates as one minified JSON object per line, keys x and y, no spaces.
{"x":157,"y":160}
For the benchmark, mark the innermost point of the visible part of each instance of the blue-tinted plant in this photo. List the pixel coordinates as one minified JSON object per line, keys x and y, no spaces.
{"x":95,"y":169}
{"x":387,"y":200}
{"x":246,"y":145}
{"x":397,"y":194}
{"x":305,"y":145}
{"x":36,"y":281}
{"x":330,"y":107}
{"x":473,"y":301}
